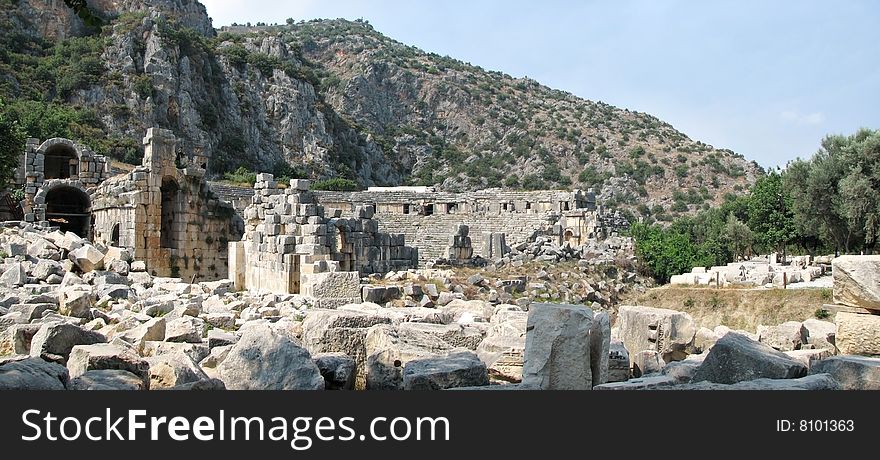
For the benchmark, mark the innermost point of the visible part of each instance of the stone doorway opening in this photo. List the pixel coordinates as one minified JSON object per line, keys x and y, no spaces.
{"x":169,"y":191}
{"x":60,"y":162}
{"x":69,"y":208}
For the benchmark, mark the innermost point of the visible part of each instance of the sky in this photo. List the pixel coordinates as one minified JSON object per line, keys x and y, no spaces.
{"x":767,"y":79}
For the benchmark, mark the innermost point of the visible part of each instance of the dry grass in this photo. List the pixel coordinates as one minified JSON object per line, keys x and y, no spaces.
{"x":736,"y":308}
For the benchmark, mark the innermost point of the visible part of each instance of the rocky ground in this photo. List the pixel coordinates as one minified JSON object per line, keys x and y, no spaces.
{"x":76,"y":316}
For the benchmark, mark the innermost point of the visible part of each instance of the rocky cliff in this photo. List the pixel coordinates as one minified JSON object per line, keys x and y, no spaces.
{"x":332,"y":98}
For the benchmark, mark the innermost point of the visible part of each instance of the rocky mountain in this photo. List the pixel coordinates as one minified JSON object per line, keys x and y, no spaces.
{"x":335,"y":98}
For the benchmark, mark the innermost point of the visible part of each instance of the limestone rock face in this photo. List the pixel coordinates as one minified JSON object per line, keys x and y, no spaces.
{"x":736,"y":358}
{"x":858,"y":334}
{"x":557,"y":352}
{"x":266,"y":359}
{"x":856,"y":282}
{"x":787,"y":336}
{"x":84,"y":358}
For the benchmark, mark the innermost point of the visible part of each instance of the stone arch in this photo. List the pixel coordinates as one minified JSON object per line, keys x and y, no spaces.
{"x":61,"y":158}
{"x":68,"y":207}
{"x":568,"y":236}
{"x":170,"y":192}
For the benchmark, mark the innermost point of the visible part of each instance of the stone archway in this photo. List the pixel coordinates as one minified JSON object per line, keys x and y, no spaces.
{"x":168,"y":224}
{"x":60,"y":159}
{"x":69,"y":208}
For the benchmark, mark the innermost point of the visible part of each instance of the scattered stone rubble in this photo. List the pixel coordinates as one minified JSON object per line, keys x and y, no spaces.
{"x":79,"y":316}
{"x":761,"y":271}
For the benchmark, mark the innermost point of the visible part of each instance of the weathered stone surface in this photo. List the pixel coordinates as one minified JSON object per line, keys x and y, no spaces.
{"x":218,"y":338}
{"x":153,"y":329}
{"x":33,"y":374}
{"x":456,"y":369}
{"x":264,"y":359}
{"x":14,"y":276}
{"x":856,"y":283}
{"x":821,"y":334}
{"x":787,"y":336}
{"x":600,"y":347}
{"x":107,"y":379}
{"x":46,"y":267}
{"x":343,"y":331}
{"x":504,"y":346}
{"x":809,"y":382}
{"x":84,"y":358}
{"x":557,"y":353}
{"x":211,"y":384}
{"x":668,"y":332}
{"x":16,"y":340}
{"x":75,"y":301}
{"x":173,"y":369}
{"x":338,"y":370}
{"x":808,"y":356}
{"x":736,"y":358}
{"x":58,"y":339}
{"x":684,"y":371}
{"x":618,"y":363}
{"x":853,"y":372}
{"x":87,"y":258}
{"x":32,"y":311}
{"x":467,"y":311}
{"x":857,"y":334}
{"x":185,"y":329}
{"x":457,"y":335}
{"x":647,"y":362}
{"x":642,"y":383}
{"x":379,"y":294}
{"x":388,"y":349}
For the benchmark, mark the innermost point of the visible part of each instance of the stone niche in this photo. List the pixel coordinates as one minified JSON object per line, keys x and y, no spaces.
{"x":166,"y":215}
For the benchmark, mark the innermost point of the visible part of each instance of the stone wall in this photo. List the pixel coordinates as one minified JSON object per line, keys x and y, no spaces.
{"x":289,"y":238}
{"x":428,"y":217}
{"x":167,"y":216}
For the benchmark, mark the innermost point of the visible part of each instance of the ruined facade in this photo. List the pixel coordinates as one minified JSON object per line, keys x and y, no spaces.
{"x":57,"y":177}
{"x":166,"y":215}
{"x":428,"y":218}
{"x":163,"y":211}
{"x":293,"y":245}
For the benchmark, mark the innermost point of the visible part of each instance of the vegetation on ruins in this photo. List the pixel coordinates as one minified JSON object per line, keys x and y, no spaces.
{"x":829,"y":203}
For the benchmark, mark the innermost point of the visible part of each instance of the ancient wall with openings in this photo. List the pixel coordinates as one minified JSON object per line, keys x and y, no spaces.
{"x":293,"y":245}
{"x":428,"y":218}
{"x":57,"y":176}
{"x":166,"y":214}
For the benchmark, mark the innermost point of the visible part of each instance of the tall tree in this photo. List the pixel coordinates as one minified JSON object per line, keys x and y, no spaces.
{"x":770,"y":213}
{"x":12,"y":139}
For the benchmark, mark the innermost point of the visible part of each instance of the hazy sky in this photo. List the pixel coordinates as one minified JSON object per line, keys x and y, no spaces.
{"x":768,"y":79}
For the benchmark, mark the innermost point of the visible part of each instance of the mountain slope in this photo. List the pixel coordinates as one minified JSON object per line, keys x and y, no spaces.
{"x":333,"y":98}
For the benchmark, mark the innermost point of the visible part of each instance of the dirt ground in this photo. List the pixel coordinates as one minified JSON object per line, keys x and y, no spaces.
{"x":736,"y":308}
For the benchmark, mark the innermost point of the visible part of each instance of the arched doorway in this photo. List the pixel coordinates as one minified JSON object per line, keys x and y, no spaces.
{"x":68,"y":208}
{"x":169,"y":192}
{"x":60,"y":162}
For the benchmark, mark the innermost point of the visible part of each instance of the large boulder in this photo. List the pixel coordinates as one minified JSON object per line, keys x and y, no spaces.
{"x":107,"y":379}
{"x":14,"y":276}
{"x":457,"y":335}
{"x":856,"y":283}
{"x":87,"y":258}
{"x":84,"y":358}
{"x":503,"y":348}
{"x":669,"y":332}
{"x":151,"y":330}
{"x":853,"y":372}
{"x":173,"y":369}
{"x":389,"y":349}
{"x":185,"y":329}
{"x":821,"y":334}
{"x":467,"y":311}
{"x":33,"y":374}
{"x":46,"y":267}
{"x":342,"y":331}
{"x":338,"y":370}
{"x":56,"y":340}
{"x":857,"y":334}
{"x":75,"y":301}
{"x":456,"y":369}
{"x":267,"y":359}
{"x":600,"y":347}
{"x":557,"y":354}
{"x":736,"y":358}
{"x":787,"y":336}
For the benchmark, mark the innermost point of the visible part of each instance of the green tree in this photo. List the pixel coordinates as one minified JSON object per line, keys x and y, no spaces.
{"x":770,"y":213}
{"x":12,"y":139}
{"x":738,"y":235}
